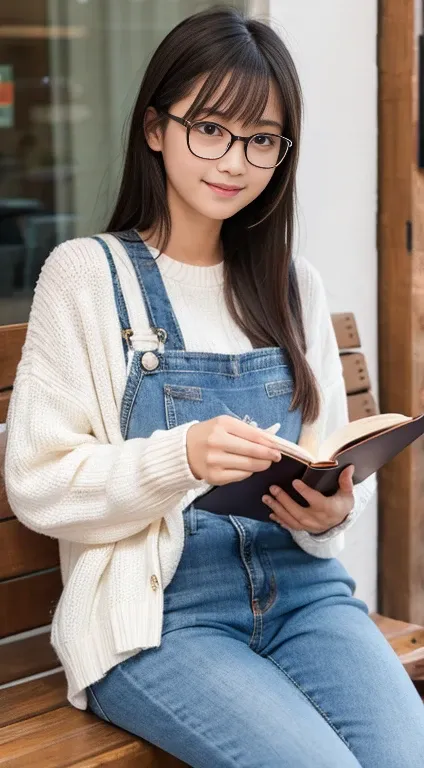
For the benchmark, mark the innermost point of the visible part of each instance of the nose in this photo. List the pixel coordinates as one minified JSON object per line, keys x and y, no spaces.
{"x":234,"y":161}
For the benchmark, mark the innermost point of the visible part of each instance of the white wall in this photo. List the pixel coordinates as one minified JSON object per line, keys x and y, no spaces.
{"x":334,"y":46}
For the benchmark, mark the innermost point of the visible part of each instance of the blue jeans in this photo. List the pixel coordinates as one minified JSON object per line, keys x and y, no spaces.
{"x":267,"y":660}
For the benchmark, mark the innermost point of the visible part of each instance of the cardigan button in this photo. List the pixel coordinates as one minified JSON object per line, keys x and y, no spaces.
{"x":154,"y":583}
{"x":149,"y":361}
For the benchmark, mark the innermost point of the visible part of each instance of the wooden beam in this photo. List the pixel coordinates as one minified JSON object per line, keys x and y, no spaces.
{"x":417,"y":361}
{"x":401,"y":313}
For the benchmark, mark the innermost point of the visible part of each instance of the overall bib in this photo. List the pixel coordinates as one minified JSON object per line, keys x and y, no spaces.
{"x":267,"y":659}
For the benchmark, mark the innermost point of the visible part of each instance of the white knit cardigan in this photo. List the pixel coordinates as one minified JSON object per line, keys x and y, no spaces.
{"x":116,"y":506}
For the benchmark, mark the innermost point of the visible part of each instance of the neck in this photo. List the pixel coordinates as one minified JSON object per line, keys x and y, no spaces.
{"x":194,"y":239}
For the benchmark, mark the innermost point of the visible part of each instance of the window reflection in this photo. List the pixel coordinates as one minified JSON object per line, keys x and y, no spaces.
{"x":69,"y":73}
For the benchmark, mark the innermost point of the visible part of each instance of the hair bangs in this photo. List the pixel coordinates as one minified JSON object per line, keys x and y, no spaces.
{"x":244,"y":97}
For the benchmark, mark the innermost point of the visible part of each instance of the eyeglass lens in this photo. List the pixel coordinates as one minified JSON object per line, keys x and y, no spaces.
{"x":210,"y":141}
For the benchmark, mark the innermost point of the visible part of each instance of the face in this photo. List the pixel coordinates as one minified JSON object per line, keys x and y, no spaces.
{"x":216,"y":189}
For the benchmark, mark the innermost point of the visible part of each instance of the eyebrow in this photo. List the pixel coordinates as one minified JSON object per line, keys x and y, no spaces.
{"x":262,"y":122}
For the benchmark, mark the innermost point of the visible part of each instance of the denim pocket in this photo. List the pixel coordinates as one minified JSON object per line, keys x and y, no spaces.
{"x":185,"y":403}
{"x":181,"y":404}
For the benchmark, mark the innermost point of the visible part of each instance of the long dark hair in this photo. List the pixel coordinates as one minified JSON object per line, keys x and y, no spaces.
{"x":261,"y":286}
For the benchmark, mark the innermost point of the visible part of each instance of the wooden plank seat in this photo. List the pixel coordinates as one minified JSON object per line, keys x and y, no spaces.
{"x":37,"y":725}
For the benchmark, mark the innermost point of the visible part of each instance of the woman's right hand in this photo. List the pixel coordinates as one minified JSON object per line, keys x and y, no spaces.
{"x":225,"y":450}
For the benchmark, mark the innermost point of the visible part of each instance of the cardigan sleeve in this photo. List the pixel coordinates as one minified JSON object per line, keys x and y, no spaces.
{"x":69,"y":474}
{"x":324,"y":359}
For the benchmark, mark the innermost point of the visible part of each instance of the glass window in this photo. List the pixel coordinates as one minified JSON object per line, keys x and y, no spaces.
{"x":69,"y":74}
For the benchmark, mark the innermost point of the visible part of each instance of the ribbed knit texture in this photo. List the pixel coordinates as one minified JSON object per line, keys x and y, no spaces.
{"x":116,"y":506}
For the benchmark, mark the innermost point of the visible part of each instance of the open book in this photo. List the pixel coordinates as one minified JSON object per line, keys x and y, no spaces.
{"x":367,"y":443}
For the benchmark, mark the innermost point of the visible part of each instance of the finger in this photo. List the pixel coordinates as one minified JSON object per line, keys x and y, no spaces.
{"x":231,"y":476}
{"x":313,"y":497}
{"x":242,"y":429}
{"x":312,"y":529}
{"x":273,"y":429}
{"x":295,"y":510}
{"x":346,"y":479}
{"x":224,"y":460}
{"x":240,"y":446}
{"x":282,"y":515}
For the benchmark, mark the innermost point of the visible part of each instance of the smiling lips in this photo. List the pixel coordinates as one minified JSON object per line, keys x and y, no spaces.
{"x":225,"y":190}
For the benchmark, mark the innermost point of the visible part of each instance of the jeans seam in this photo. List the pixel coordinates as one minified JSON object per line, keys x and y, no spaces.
{"x":193,"y":520}
{"x":219,"y":373}
{"x":272,"y":595}
{"x":190,"y":520}
{"x":273,"y":583}
{"x":129,"y":398}
{"x":256,"y":616}
{"x":170,"y":412}
{"x":311,"y":700}
{"x":99,"y":705}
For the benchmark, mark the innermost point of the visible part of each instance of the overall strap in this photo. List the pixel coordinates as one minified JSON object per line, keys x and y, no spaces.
{"x":119,"y":298}
{"x":158,"y":306}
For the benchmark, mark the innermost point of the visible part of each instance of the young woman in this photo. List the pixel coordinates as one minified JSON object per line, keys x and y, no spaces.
{"x":153,"y":355}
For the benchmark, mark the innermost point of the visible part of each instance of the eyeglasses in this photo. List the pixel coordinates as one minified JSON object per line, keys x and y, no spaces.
{"x":210,"y":141}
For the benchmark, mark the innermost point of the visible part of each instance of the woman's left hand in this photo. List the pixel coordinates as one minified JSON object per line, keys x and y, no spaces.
{"x":323,"y":513}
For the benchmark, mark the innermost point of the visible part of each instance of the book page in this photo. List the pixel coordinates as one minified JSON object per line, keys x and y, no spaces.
{"x":292,"y":449}
{"x":309,"y":438}
{"x":357,"y":429}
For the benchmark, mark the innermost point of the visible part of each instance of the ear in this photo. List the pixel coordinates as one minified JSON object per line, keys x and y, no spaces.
{"x":152,"y":130}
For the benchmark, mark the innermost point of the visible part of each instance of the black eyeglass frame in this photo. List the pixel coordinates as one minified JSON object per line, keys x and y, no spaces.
{"x":245,"y":139}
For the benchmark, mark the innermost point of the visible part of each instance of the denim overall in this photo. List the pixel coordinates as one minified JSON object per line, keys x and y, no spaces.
{"x":266,"y":658}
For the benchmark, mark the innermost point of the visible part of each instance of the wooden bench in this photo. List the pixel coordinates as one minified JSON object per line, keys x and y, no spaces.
{"x":37,"y":725}
{"x":357,"y":379}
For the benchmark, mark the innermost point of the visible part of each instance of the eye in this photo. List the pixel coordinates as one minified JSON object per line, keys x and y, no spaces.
{"x":264,"y":140}
{"x":208,"y":129}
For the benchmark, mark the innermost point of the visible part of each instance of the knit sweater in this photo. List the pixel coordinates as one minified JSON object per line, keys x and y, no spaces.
{"x":116,"y":506}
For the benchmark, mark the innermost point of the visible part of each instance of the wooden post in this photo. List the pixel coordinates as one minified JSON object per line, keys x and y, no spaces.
{"x":401,"y":310}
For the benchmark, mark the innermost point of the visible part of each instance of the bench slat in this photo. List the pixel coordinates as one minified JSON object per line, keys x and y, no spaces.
{"x":5,"y":510}
{"x":23,"y":658}
{"x":28,"y":601}
{"x":346,"y":330}
{"x":355,"y":372}
{"x":361,"y":405}
{"x":12,"y":338}
{"x":35,"y":697}
{"x":392,"y":628}
{"x":407,"y":640}
{"x":410,"y":649}
{"x":127,"y":757}
{"x":23,"y":551}
{"x":60,"y":738}
{"x":4,"y":405}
